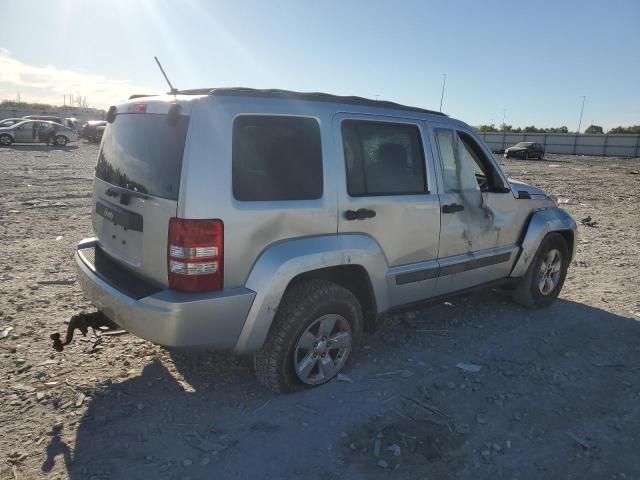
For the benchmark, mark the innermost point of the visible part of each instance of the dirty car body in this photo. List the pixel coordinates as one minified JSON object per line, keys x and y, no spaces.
{"x":32,"y":131}
{"x":248,"y":196}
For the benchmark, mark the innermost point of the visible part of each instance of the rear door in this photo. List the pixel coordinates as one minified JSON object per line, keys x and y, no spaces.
{"x":136,"y":187}
{"x":387,"y":195}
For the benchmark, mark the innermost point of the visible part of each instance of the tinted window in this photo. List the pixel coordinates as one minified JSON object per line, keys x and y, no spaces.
{"x":143,"y":153}
{"x":276,"y":158}
{"x":383,"y":158}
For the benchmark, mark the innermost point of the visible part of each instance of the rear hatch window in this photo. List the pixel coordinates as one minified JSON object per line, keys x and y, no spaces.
{"x":143,"y":153}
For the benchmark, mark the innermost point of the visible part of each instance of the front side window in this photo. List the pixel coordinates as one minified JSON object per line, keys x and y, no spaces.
{"x":276,"y":158}
{"x":383,"y":158}
{"x":465,"y":166}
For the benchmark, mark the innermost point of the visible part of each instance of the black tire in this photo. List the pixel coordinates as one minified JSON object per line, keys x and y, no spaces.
{"x":541,"y":156}
{"x":60,"y":140}
{"x":301,"y":306}
{"x":525,"y":156}
{"x":5,"y":140}
{"x":528,"y":291}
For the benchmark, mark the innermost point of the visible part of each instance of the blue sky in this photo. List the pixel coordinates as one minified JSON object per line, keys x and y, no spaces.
{"x":534,"y":59}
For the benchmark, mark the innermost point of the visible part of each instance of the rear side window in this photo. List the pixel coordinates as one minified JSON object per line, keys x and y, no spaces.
{"x":383,"y":158}
{"x":143,"y":153}
{"x":276,"y":158}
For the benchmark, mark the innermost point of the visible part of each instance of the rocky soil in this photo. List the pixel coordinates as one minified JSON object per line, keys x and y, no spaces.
{"x":473,"y":388}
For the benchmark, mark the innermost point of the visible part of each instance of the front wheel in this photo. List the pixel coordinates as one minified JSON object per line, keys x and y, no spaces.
{"x":61,"y":140}
{"x":541,"y":156}
{"x":5,"y":140}
{"x":312,"y":336}
{"x":545,"y":277}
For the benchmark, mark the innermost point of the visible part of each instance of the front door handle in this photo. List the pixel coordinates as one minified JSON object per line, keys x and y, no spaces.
{"x":360,"y":214}
{"x":452,"y":208}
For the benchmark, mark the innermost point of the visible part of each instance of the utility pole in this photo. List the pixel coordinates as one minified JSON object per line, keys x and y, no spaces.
{"x":504,"y":115}
{"x":444,"y":81}
{"x":581,"y":110}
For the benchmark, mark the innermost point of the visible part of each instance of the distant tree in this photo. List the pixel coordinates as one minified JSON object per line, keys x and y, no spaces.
{"x":487,"y":128}
{"x":562,"y":129}
{"x":532,"y":129}
{"x":633,"y":129}
{"x":594,"y":129}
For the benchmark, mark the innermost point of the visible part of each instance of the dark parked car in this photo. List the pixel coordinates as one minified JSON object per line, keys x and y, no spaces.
{"x":525,"y":150}
{"x":92,"y":131}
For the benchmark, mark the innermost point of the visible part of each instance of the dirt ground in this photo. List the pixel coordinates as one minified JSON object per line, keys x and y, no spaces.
{"x":557,"y":394}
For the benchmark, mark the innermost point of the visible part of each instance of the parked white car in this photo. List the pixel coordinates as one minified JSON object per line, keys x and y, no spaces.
{"x":37,"y":131}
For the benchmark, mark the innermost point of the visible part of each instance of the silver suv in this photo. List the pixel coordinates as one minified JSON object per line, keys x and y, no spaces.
{"x":281,"y":224}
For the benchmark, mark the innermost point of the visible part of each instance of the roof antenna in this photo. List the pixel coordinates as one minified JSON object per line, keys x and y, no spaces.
{"x":173,"y":90}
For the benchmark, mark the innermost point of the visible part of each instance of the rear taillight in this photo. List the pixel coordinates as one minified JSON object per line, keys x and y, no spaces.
{"x":195,"y":255}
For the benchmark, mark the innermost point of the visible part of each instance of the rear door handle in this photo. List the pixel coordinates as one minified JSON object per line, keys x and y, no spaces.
{"x":360,"y":214}
{"x":452,"y":208}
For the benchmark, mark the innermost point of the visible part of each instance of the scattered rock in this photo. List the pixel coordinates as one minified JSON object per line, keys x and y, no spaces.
{"x":462,"y":428}
{"x":481,"y":420}
{"x":382,"y":464}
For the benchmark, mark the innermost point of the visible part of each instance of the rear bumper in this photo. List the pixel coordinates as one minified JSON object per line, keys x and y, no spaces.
{"x":166,"y":317}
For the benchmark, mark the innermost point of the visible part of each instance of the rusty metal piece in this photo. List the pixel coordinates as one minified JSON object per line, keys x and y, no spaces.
{"x":82,"y":322}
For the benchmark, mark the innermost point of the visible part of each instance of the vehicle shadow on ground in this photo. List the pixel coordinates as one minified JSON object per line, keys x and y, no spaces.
{"x":203,"y":415}
{"x":41,"y":148}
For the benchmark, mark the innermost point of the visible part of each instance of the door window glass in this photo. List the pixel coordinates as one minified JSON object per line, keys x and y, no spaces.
{"x":276,"y":158}
{"x":465,"y":166}
{"x":383,"y":158}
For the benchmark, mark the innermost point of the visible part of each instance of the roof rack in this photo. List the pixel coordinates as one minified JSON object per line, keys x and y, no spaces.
{"x":311,"y":96}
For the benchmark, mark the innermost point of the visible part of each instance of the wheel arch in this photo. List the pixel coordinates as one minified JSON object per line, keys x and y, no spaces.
{"x":345,"y":259}
{"x":541,"y":223}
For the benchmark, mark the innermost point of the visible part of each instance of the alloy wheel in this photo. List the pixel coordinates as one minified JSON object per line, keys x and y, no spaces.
{"x":322,"y":349}
{"x":549,"y":273}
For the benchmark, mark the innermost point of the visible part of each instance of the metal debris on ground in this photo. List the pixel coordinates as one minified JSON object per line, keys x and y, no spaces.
{"x":580,"y":441}
{"x":344,"y":378}
{"x":469,"y":367}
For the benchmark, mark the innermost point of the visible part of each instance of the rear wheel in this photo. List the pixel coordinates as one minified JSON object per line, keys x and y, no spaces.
{"x":545,"y":277}
{"x":61,"y":140}
{"x":525,"y":156}
{"x":6,"y":140}
{"x":312,"y":336}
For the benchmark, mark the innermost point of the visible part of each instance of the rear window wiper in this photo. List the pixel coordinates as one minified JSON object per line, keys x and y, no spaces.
{"x":114,"y":191}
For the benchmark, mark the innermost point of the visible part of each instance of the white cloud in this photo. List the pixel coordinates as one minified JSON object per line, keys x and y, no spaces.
{"x":48,"y":84}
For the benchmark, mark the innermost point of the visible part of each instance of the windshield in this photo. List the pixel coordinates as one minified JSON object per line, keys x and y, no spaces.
{"x":524,"y":144}
{"x":143,"y":153}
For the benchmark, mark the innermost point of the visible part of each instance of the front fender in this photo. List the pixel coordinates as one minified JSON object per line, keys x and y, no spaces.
{"x":540,"y":224}
{"x":283,"y":261}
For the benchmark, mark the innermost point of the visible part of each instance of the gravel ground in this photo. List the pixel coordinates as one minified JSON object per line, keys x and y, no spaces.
{"x":557,"y":394}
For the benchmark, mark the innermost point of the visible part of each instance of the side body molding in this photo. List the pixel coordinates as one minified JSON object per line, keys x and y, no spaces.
{"x":540,"y":224}
{"x":283,"y":261}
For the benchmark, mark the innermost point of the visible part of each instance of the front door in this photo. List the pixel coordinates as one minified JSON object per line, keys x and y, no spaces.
{"x":27,"y":132}
{"x":388,"y":193}
{"x":473,"y":192}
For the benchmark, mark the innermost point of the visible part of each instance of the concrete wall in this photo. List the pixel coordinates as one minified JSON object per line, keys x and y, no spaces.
{"x":569,"y":143}
{"x":83,"y":114}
